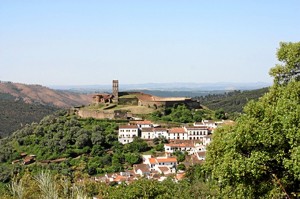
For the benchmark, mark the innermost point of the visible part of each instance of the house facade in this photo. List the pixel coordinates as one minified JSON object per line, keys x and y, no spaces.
{"x":127,"y":133}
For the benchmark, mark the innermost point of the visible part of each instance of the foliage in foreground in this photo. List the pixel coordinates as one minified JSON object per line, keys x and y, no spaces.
{"x":260,"y":156}
{"x":46,"y":185}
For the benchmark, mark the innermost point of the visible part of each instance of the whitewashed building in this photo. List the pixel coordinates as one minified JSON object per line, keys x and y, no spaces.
{"x":177,"y":134}
{"x":196,"y":132}
{"x":127,"y":133}
{"x":147,"y":133}
{"x":184,"y":147}
{"x":160,"y":132}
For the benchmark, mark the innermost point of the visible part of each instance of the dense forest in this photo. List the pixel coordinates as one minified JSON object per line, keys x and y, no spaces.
{"x":15,"y":113}
{"x":231,"y":102}
{"x":259,"y":157}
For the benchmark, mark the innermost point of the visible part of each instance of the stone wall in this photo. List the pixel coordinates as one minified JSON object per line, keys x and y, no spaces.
{"x":102,"y":114}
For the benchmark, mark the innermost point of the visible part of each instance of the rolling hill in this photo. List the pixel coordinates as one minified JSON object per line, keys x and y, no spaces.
{"x":22,"y":104}
{"x":40,"y":94}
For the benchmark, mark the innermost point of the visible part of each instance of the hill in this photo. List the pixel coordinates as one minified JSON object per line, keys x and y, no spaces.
{"x":22,"y":104}
{"x":43,"y":95}
{"x":17,"y":113}
{"x":231,"y":102}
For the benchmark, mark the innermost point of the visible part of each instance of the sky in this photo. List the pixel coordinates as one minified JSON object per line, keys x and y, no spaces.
{"x":90,"y":42}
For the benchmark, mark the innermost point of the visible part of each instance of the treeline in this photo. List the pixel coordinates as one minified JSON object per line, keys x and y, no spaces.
{"x":15,"y":113}
{"x":231,"y":102}
{"x":182,"y":114}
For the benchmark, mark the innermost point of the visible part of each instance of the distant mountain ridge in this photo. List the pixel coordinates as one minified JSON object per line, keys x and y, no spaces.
{"x":42,"y":95}
{"x":174,"y":86}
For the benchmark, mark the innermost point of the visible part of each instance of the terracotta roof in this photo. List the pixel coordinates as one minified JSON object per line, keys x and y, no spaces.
{"x":172,"y":159}
{"x":143,"y":167}
{"x":128,"y":127}
{"x":147,"y":130}
{"x":141,"y":122}
{"x":120,"y":178}
{"x":164,"y":169}
{"x":177,"y":130}
{"x":180,"y":145}
{"x":152,"y":160}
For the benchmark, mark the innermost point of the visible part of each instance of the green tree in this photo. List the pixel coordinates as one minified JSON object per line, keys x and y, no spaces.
{"x":220,"y":114}
{"x":132,"y":158}
{"x":259,"y":157}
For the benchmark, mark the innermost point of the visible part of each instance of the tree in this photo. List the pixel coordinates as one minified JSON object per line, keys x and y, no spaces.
{"x":289,"y":55}
{"x":181,"y":167}
{"x":220,"y":114}
{"x":260,"y":155}
{"x":132,"y":158}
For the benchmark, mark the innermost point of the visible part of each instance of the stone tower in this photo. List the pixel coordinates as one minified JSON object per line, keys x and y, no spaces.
{"x":115,"y":90}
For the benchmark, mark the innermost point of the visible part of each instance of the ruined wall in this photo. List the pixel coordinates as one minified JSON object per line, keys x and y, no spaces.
{"x":102,"y":114}
{"x":152,"y":104}
{"x":96,"y":114}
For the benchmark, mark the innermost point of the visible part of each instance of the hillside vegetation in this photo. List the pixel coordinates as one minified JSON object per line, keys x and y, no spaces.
{"x":16,"y":113}
{"x":233,"y":101}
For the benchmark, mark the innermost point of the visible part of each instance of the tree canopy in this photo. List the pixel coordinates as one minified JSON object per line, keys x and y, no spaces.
{"x":259,"y":157}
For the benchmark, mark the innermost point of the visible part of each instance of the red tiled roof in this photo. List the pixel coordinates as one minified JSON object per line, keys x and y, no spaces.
{"x":180,"y":145}
{"x":172,"y":159}
{"x":152,"y":160}
{"x":147,"y":130}
{"x":143,"y":167}
{"x":120,"y":178}
{"x":177,"y":130}
{"x":128,"y":127}
{"x":164,"y":169}
{"x":141,"y":122}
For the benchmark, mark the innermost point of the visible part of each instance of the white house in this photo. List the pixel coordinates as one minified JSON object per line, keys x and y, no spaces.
{"x":177,"y":134}
{"x":160,"y":132}
{"x":155,"y":163}
{"x":127,"y":133}
{"x":172,"y":147}
{"x":141,"y":169}
{"x":196,"y":132}
{"x":147,"y":133}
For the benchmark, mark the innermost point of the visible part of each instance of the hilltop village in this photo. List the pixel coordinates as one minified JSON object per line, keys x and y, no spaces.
{"x":189,"y":140}
{"x":192,"y":141}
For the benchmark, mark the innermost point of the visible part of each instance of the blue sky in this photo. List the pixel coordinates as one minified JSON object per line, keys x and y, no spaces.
{"x":92,"y":42}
